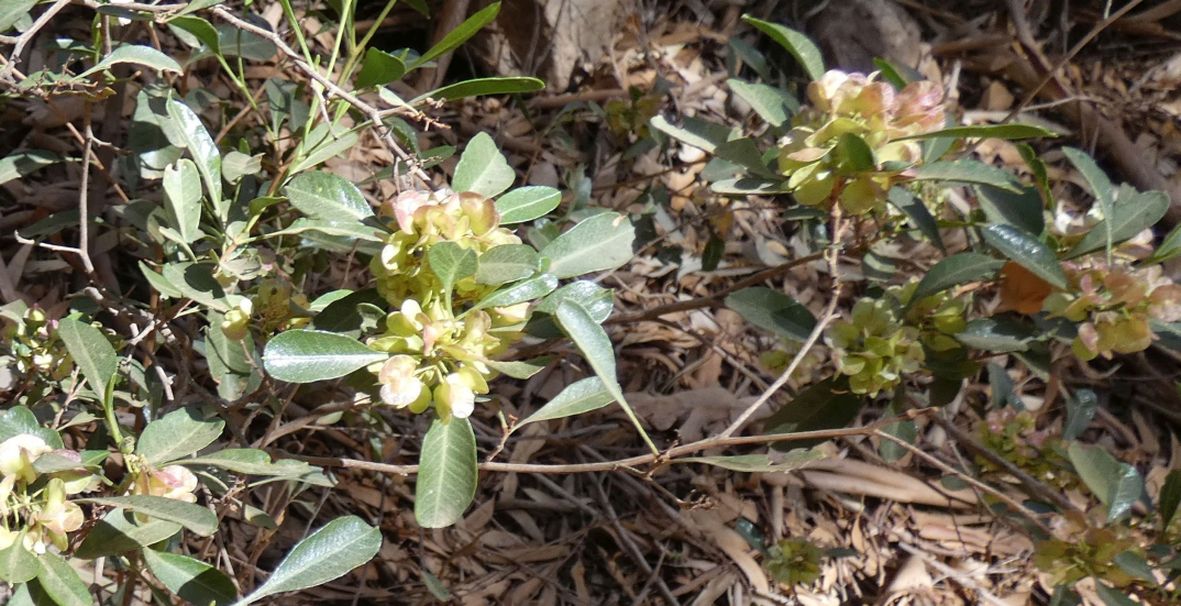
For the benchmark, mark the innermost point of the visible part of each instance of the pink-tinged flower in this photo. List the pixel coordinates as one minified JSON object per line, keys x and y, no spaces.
{"x":406,"y":204}
{"x":18,"y":453}
{"x":59,"y":516}
{"x":399,"y":384}
{"x":171,"y":482}
{"x":454,"y":397}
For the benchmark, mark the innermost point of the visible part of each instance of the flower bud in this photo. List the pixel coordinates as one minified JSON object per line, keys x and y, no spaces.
{"x":171,"y":482}
{"x":399,"y":385}
{"x":454,"y":397}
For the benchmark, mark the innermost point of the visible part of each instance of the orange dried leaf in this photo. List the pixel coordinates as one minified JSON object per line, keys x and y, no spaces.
{"x":1021,"y":290}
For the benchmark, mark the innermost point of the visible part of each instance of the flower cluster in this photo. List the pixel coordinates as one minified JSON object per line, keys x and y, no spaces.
{"x":275,"y":306}
{"x":1015,"y":436}
{"x":35,"y":505}
{"x":33,"y":343}
{"x":1113,"y":306}
{"x":171,"y":481}
{"x":939,"y":317}
{"x":440,"y":344}
{"x":874,"y":348}
{"x":823,"y":156}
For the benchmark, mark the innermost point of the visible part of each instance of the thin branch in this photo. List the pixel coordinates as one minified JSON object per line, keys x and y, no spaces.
{"x":28,"y":35}
{"x":628,"y":463}
{"x":830,"y":312}
{"x":370,"y":112}
{"x":84,"y":197}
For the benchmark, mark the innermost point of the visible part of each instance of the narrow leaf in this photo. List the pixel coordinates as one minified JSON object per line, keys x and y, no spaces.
{"x":527,"y":203}
{"x":304,"y":356}
{"x":379,"y":68}
{"x":796,"y":43}
{"x":773,"y":311}
{"x":1117,"y":484}
{"x":186,"y":130}
{"x":91,"y":350}
{"x":1127,"y":219}
{"x":182,"y":198}
{"x":447,"y":473}
{"x":771,"y":104}
{"x":506,"y":263}
{"x":192,"y":580}
{"x":577,"y":398}
{"x":323,"y":195}
{"x":119,"y":532}
{"x":17,"y":564}
{"x":139,"y":55}
{"x":967,"y":171}
{"x":459,"y":35}
{"x":190,"y":515}
{"x":61,"y":582}
{"x":917,"y":215}
{"x":1170,"y":498}
{"x":772,"y":462}
{"x":177,"y":434}
{"x":528,"y":290}
{"x":327,"y":554}
{"x":954,"y":270}
{"x":483,"y":86}
{"x":990,"y":131}
{"x":597,"y":243}
{"x":1027,"y":251}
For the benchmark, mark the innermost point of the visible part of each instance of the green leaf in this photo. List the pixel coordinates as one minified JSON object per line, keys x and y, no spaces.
{"x":822,"y":405}
{"x":236,"y":165}
{"x":1135,"y":565}
{"x":139,"y":55}
{"x":482,"y":86}
{"x":528,"y":290}
{"x":451,"y":263}
{"x":327,"y":554}
{"x":232,"y":363}
{"x":379,"y":68}
{"x":252,"y":462}
{"x":506,"y":263}
{"x":1128,"y":218}
{"x":1100,"y":185}
{"x":236,"y":42}
{"x":159,"y":282}
{"x":447,"y":473}
{"x":91,"y":350}
{"x":1117,"y":484}
{"x":516,"y":369}
{"x":18,"y":420}
{"x":772,"y":462}
{"x":1112,"y":596}
{"x":699,"y":133}
{"x":304,"y":356}
{"x":527,"y":203}
{"x":195,"y":281}
{"x":597,"y":243}
{"x":177,"y":434}
{"x":482,"y":168}
{"x":17,"y":564}
{"x":1169,"y":248}
{"x":1170,"y":497}
{"x":579,"y":397}
{"x":345,"y":228}
{"x":796,"y":43}
{"x":917,"y":214}
{"x":119,"y":532}
{"x":854,"y":154}
{"x":1080,"y":409}
{"x":13,"y":11}
{"x":190,"y":515}
{"x":20,"y":164}
{"x":595,"y":346}
{"x":989,"y":131}
{"x":182,"y":198}
{"x":1026,"y":250}
{"x":1022,"y":210}
{"x":773,"y":311}
{"x":997,"y":334}
{"x":956,"y":269}
{"x":459,"y":35}
{"x":324,"y":142}
{"x":771,"y":104}
{"x":199,"y":28}
{"x":323,"y":195}
{"x":186,"y":130}
{"x":748,"y":186}
{"x":192,"y":580}
{"x":61,"y":582}
{"x":967,"y":171}
{"x":595,"y":299}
